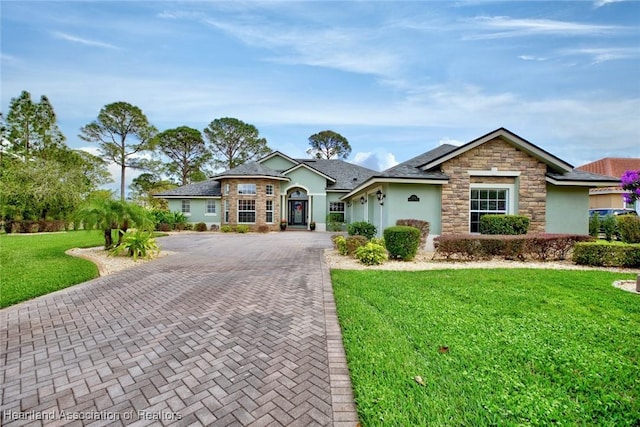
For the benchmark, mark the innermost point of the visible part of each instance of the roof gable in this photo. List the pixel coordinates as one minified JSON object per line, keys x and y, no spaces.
{"x":519,"y":143}
{"x":251,"y":169}
{"x":278,"y":160}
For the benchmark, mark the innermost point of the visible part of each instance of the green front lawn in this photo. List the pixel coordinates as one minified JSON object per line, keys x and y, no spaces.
{"x":35,"y":264}
{"x":523,"y":347}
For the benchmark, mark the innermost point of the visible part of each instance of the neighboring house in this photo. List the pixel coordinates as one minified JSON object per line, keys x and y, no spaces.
{"x":451,"y":187}
{"x":611,"y":197}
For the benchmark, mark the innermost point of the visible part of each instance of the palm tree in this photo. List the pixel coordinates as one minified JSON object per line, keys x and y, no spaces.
{"x":107,"y":214}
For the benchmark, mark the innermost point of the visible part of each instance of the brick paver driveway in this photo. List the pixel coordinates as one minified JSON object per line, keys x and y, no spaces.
{"x":231,"y":330}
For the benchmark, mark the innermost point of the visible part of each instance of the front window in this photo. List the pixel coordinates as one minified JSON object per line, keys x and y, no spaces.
{"x":486,"y":201}
{"x":211,"y":207}
{"x":246,"y":189}
{"x":269,"y":210}
{"x":336,"y":211}
{"x":269,"y":190}
{"x":186,"y":207}
{"x":246,"y":211}
{"x":226,"y":211}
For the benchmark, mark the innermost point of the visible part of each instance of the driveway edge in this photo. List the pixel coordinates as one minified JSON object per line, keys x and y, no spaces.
{"x":342,"y":402}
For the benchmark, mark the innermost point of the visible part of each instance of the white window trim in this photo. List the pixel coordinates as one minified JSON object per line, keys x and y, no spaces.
{"x":182,"y":207}
{"x":511,"y":188}
{"x":266,"y":190}
{"x":255,"y":189}
{"x":214,"y":207}
{"x":255,"y":211}
{"x":272,"y":210}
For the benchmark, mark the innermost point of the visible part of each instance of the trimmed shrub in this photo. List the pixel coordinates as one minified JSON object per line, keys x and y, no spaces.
{"x":423,"y":226}
{"x":594,"y":225}
{"x":50,"y":225}
{"x":607,"y":254}
{"x":226,"y":229}
{"x":341,"y":244}
{"x":535,"y":246}
{"x":504,"y":224}
{"x":378,"y":241}
{"x":466,"y":246}
{"x":553,"y":246}
{"x":362,"y":228}
{"x":263,"y":228}
{"x":371,"y":254}
{"x":188,"y":226}
{"x":215,"y":227}
{"x":402,"y":242}
{"x":242,"y":228}
{"x":201,"y":226}
{"x":609,"y":227}
{"x":163,"y":226}
{"x":629,"y":228}
{"x":334,"y":222}
{"x":354,"y":242}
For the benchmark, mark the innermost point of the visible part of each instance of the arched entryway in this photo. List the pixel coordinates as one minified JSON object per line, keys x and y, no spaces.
{"x":297,"y":207}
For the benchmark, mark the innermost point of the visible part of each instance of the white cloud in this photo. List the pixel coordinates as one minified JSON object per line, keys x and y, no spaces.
{"x":531,"y":58}
{"x":378,"y":160}
{"x":600,"y":3}
{"x":605,"y":54}
{"x":497,"y":27}
{"x":80,"y":40}
{"x":356,"y":50}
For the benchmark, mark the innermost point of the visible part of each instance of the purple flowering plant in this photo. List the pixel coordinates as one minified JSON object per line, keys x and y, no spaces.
{"x":631,"y":183}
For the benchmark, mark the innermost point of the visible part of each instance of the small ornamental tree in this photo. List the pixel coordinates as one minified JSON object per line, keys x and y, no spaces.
{"x":631,"y":183}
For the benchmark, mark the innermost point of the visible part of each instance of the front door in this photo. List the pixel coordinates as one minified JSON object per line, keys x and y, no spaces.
{"x":298,"y":212}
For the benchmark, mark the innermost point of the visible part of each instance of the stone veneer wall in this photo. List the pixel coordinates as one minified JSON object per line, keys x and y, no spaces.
{"x":530,"y":185}
{"x":260,"y":197}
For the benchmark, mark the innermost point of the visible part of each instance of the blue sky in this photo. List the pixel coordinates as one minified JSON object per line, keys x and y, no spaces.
{"x":395,"y":78}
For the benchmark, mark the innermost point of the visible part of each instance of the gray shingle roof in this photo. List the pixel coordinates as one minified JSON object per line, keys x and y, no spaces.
{"x":347,"y":176}
{"x":197,"y":189}
{"x":578,"y":175}
{"x":411,"y":168}
{"x":250,"y":169}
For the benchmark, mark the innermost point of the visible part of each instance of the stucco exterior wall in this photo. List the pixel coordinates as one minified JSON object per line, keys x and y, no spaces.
{"x":198,"y":211}
{"x":426,"y":209}
{"x":530,"y":186}
{"x":567,"y":210}
{"x":278,"y":163}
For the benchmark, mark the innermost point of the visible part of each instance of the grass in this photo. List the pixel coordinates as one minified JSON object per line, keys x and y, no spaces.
{"x":35,"y":264}
{"x":524,"y":347}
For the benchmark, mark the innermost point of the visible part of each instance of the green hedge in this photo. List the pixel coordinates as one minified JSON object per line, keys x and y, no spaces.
{"x":607,"y":254}
{"x":353,"y":243}
{"x":362,"y":228}
{"x":402,"y":242}
{"x":371,"y":254}
{"x":629,"y":228}
{"x":541,"y":246}
{"x":504,"y":224}
{"x":423,"y":226}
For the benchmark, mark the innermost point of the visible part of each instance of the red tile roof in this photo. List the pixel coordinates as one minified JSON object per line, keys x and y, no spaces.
{"x":612,"y":166}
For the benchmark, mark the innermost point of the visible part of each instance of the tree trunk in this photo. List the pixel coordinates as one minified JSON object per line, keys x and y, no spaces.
{"x":108,"y":240}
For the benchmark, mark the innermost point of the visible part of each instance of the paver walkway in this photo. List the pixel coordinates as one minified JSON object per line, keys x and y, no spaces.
{"x":232,"y":330}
